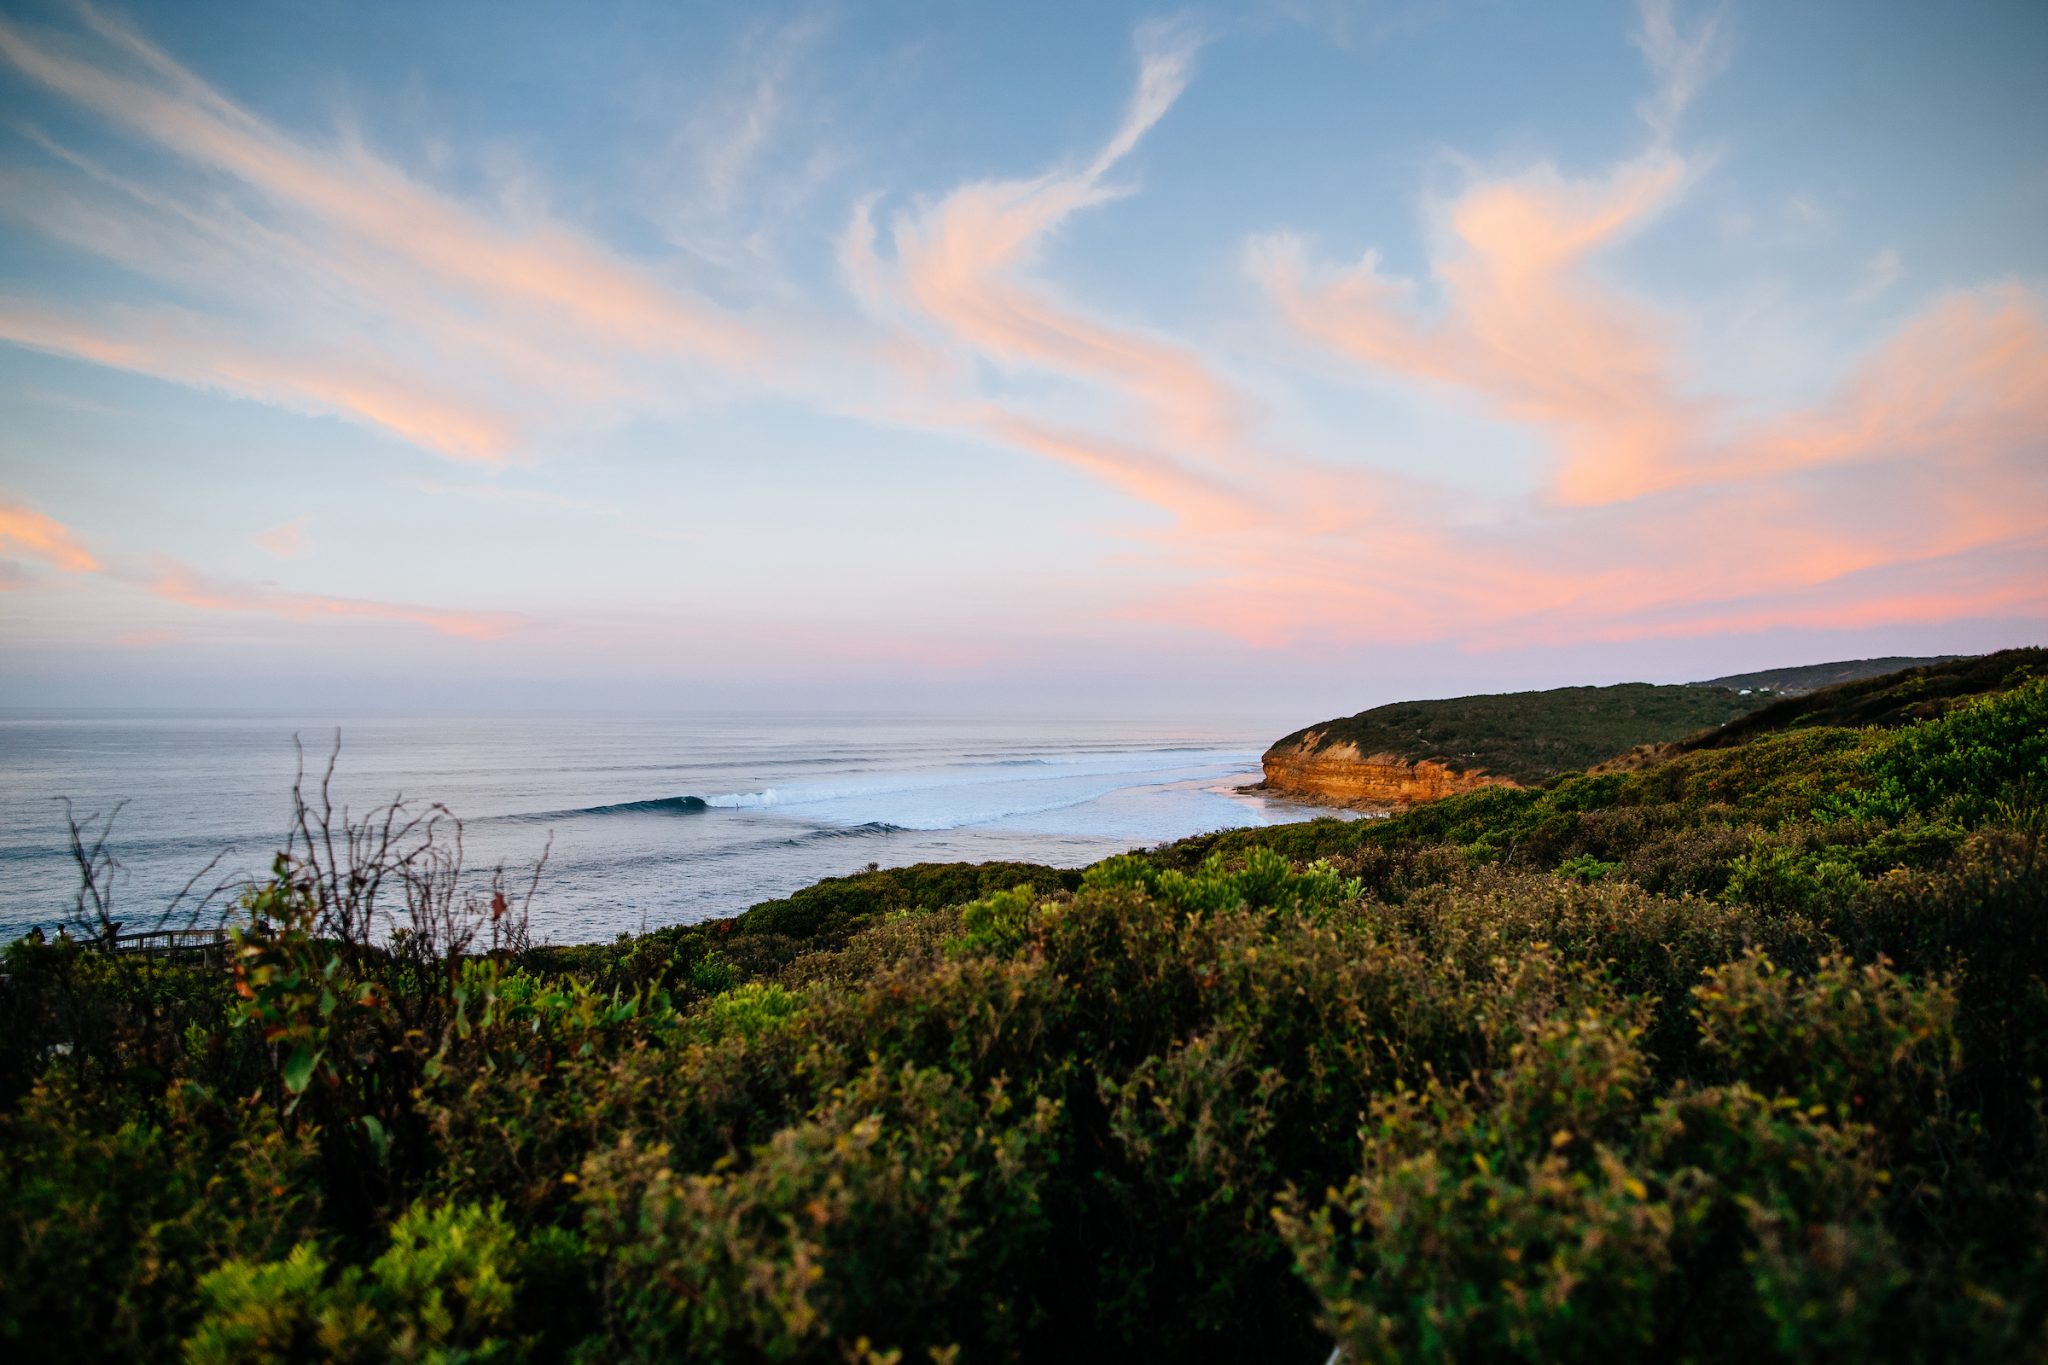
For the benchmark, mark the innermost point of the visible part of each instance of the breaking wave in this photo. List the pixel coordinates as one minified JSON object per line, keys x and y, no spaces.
{"x":659,"y":805}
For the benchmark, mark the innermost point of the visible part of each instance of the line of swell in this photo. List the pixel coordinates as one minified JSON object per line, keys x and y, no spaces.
{"x":861,"y":831}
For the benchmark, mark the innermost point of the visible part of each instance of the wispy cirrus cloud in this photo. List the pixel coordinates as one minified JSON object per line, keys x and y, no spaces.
{"x":1683,"y":58}
{"x":727,"y":139}
{"x":1880,"y":273}
{"x":1514,"y":310}
{"x":210,"y":352}
{"x":337,"y":282}
{"x":543,"y":267}
{"x":960,"y":286}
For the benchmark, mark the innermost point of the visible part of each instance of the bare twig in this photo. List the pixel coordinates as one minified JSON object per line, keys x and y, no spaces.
{"x":94,"y":910}
{"x":199,"y":907}
{"x":390,"y":884}
{"x":396,"y":880}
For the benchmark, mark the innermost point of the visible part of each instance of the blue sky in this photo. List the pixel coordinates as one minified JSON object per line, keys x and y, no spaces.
{"x":1265,"y":359}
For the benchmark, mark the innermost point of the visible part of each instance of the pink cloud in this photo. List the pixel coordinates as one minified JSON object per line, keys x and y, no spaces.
{"x":2000,"y":579}
{"x":177,"y":583}
{"x":1173,"y":431}
{"x":197,"y":351}
{"x":1962,"y":380}
{"x":1202,"y":502}
{"x":1523,"y":323}
{"x":286,"y":540}
{"x":25,"y":531}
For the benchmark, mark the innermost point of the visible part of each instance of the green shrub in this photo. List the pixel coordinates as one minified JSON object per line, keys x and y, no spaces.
{"x":712,"y":975}
{"x":1985,"y":752}
{"x":1587,"y":868}
{"x":109,"y":1218}
{"x":273,"y":1312}
{"x":1778,"y":1218}
{"x":1496,"y":1218}
{"x":750,"y":1010}
{"x":999,"y":923}
{"x":1862,"y":1042}
{"x":862,"y":1222}
{"x":1773,"y":876}
{"x":445,"y":1291}
{"x":1264,"y":880}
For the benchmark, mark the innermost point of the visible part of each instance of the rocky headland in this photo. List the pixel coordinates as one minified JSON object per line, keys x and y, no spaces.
{"x":1400,"y":755}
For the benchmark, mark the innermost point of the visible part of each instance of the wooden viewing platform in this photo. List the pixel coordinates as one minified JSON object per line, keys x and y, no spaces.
{"x":169,"y":943}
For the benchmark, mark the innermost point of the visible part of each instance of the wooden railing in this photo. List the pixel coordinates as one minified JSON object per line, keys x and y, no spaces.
{"x":190,"y":943}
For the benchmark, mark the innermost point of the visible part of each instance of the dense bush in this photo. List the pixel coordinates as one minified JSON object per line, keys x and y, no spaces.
{"x":1735,"y":1057}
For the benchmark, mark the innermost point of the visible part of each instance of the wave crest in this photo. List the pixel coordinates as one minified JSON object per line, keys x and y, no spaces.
{"x":659,"y":805}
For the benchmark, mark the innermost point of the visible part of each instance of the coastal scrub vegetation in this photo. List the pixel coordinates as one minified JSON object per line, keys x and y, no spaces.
{"x":1889,"y":698}
{"x":1736,"y":1056}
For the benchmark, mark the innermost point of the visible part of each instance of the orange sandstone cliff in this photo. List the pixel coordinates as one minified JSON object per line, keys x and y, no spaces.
{"x":1339,"y":775}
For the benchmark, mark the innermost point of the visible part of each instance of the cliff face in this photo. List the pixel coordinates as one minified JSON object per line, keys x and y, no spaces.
{"x":1339,"y":775}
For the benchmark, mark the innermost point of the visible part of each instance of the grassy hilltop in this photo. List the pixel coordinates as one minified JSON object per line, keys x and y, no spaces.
{"x":1923,"y":692}
{"x":1528,"y":737}
{"x":1804,"y":678}
{"x":1738,"y":1055}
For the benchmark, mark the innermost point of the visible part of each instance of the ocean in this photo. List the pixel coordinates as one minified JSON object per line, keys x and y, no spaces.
{"x":653,"y":820}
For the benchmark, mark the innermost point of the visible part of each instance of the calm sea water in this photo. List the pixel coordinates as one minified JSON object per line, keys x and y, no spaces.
{"x":785,"y":802}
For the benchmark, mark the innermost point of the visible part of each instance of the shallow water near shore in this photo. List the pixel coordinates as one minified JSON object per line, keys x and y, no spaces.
{"x":654,"y":820}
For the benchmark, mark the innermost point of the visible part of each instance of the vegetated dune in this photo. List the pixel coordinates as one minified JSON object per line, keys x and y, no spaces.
{"x":1734,"y":1056}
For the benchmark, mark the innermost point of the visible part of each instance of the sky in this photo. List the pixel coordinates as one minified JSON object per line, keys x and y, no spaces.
{"x":1270,"y":360}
